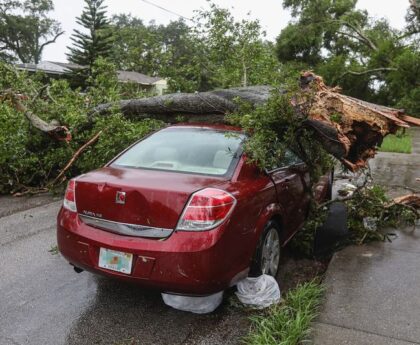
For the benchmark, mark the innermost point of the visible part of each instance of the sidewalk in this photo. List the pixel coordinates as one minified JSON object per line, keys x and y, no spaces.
{"x":373,"y":291}
{"x":373,"y":295}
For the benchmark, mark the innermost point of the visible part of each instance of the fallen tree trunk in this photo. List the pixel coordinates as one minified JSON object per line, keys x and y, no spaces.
{"x":348,"y":128}
{"x":211,"y":105}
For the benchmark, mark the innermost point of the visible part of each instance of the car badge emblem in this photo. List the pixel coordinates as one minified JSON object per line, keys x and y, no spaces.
{"x":120,"y":198}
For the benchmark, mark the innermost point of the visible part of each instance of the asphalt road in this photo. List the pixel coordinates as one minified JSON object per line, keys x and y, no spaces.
{"x":43,"y":301}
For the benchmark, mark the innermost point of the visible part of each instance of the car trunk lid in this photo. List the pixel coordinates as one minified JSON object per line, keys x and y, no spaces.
{"x":131,"y":196}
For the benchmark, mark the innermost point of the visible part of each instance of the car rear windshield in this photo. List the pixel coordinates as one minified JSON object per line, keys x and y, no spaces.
{"x":190,"y":150}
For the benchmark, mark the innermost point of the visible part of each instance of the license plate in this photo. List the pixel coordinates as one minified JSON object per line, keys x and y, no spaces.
{"x":115,"y":261}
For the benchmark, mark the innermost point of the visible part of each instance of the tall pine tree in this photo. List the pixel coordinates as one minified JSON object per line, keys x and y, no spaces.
{"x":95,"y":43}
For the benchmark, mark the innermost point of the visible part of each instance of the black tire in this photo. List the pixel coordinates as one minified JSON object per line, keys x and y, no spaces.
{"x":257,"y":264}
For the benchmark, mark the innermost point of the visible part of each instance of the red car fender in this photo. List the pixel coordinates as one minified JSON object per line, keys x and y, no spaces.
{"x":271,"y":211}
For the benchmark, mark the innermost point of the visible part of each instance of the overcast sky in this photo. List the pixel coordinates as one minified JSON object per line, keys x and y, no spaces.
{"x":270,"y":13}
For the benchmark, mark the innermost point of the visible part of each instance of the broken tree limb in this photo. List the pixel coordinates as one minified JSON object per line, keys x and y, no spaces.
{"x":412,"y":200}
{"x":75,"y":156}
{"x":53,"y":129}
{"x":411,"y":120}
{"x":31,"y":191}
{"x":348,"y":128}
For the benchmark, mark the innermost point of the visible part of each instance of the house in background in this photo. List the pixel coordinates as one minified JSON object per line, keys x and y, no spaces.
{"x":156,"y":85}
{"x":57,"y":70}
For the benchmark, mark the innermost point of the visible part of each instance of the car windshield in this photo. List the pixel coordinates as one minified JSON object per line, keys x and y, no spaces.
{"x":191,"y":150}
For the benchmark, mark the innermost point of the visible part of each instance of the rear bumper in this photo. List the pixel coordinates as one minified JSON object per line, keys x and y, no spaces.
{"x":186,"y":262}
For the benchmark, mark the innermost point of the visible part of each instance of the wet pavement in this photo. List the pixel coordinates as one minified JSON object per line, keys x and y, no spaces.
{"x":372,"y":294}
{"x":43,"y":301}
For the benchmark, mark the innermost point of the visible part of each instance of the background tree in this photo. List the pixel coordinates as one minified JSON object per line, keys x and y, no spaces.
{"x":215,"y":51}
{"x":171,"y":51}
{"x":413,"y":18}
{"x":96,"y":42}
{"x":238,"y":54}
{"x":25,"y":29}
{"x":367,"y":57}
{"x":135,"y":46}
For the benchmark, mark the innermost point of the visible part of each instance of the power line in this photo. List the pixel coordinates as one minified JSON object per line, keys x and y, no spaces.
{"x":166,"y":10}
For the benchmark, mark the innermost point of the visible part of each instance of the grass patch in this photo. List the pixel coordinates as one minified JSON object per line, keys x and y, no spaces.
{"x":288,"y":323}
{"x":399,"y":142}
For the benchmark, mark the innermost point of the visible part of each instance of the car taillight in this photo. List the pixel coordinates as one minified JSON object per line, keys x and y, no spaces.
{"x":206,"y":209}
{"x":69,"y":197}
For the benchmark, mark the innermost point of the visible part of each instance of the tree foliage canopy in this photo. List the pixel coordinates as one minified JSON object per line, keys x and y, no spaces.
{"x":216,"y":51}
{"x":25,"y":29}
{"x":366,"y":57}
{"x":29,"y":157}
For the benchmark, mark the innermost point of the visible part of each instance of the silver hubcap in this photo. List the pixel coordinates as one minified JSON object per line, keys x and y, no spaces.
{"x":270,"y":253}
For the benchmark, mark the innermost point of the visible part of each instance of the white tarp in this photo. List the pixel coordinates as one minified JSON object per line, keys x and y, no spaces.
{"x":259,"y":292}
{"x":197,"y":305}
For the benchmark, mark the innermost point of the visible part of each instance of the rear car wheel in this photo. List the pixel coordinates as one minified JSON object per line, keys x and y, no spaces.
{"x":267,"y":255}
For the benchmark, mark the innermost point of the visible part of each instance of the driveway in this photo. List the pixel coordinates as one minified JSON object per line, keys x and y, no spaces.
{"x":43,"y":301}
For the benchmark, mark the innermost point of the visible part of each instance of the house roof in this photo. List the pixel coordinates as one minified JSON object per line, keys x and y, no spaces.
{"x":139,"y":78}
{"x":59,"y":68}
{"x":44,"y":66}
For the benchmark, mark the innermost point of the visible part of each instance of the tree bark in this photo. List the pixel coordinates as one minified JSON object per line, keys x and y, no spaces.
{"x":191,"y":105}
{"x":349,"y":129}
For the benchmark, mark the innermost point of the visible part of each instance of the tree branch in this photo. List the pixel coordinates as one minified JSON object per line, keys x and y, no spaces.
{"x":41,"y":47}
{"x":408,"y":34}
{"x":369,"y":71}
{"x":75,"y":156}
{"x":363,"y":38}
{"x":56,"y":131}
{"x":349,"y":35}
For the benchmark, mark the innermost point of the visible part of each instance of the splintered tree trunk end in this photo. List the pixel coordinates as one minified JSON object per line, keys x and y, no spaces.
{"x":359,"y":126}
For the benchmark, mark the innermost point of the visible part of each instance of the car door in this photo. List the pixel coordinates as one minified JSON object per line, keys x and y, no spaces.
{"x":291,"y":180}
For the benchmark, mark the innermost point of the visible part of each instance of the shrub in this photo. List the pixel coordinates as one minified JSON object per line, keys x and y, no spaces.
{"x":30,"y":158}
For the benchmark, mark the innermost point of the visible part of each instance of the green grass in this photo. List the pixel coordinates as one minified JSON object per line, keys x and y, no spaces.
{"x":400,"y":143}
{"x":288,"y":323}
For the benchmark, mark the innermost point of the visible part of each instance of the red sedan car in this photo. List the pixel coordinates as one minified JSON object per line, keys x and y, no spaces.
{"x":182,"y":211}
